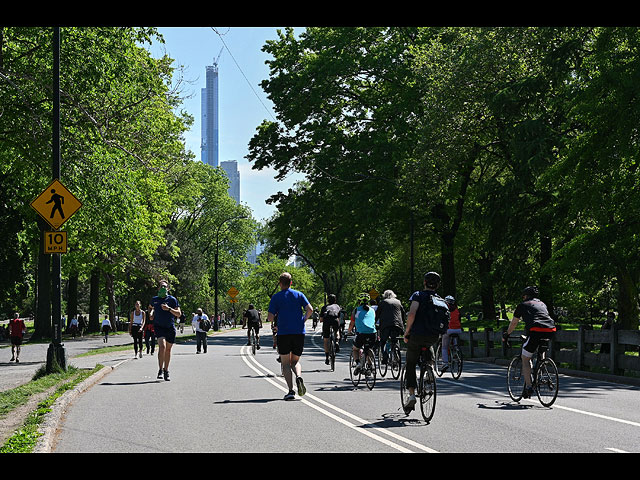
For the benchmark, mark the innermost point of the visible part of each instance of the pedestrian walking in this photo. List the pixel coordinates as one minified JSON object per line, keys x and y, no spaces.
{"x":17,"y":329}
{"x":165,"y":309}
{"x":293,"y":310}
{"x":136,"y":326}
{"x":106,"y":327}
{"x":73,"y":327}
{"x":201,"y":325}
{"x":149,"y":333}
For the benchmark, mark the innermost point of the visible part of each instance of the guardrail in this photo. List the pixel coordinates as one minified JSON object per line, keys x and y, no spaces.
{"x":575,"y":347}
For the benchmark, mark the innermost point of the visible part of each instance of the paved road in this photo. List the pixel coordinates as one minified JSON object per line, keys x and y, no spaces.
{"x":226,"y":399}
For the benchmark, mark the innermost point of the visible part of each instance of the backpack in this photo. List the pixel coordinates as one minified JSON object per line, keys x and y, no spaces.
{"x":205,"y":324}
{"x":433,"y":313}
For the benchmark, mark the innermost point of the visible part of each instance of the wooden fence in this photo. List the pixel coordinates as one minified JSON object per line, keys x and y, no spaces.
{"x":581,"y":349}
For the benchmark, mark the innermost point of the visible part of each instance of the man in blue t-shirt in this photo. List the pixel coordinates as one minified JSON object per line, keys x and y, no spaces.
{"x":293,"y":310}
{"x":165,"y":308}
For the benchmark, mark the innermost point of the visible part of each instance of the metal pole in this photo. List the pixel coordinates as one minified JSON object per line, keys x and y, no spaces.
{"x":56,"y":349}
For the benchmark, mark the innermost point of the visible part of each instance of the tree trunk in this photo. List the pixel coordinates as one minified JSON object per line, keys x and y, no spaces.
{"x":448,"y":271}
{"x":627,"y":299}
{"x":546,"y":289}
{"x":111,"y":299}
{"x":72,"y":296}
{"x":42,"y":320}
{"x":94,"y":301}
{"x":486,"y":287}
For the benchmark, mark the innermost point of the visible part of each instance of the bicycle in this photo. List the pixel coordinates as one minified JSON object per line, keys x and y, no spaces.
{"x":426,"y":389}
{"x":252,"y":340}
{"x":544,"y":375}
{"x":367,"y":364}
{"x":332,"y":348}
{"x":455,"y":357}
{"x":394,"y":357}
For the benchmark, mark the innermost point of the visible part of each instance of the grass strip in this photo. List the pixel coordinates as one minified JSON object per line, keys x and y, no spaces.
{"x":24,"y":440}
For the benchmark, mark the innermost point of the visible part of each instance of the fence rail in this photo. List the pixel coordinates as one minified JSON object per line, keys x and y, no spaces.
{"x":577,"y":348}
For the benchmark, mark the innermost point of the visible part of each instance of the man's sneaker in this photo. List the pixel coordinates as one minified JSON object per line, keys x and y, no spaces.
{"x":12,"y":359}
{"x":410,"y":404}
{"x":166,"y":375}
{"x":527,"y":392}
{"x":444,"y":367}
{"x":290,"y":396}
{"x":301,"y":388}
{"x":159,"y":374}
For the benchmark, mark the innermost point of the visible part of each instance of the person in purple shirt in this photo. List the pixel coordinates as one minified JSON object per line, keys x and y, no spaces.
{"x":293,"y":310}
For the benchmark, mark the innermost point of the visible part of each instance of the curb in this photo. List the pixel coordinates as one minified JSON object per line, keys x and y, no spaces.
{"x":49,"y":427}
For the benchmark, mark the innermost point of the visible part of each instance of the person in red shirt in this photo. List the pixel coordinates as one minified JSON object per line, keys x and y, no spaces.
{"x":17,"y":329}
{"x":454,"y":327}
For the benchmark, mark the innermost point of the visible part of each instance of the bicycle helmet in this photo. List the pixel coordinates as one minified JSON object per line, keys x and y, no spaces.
{"x":363,"y":297}
{"x":530,"y":291}
{"x":449,"y":299}
{"x":432,"y":279}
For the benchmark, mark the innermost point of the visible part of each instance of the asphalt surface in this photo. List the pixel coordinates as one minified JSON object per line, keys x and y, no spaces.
{"x":229,"y":401}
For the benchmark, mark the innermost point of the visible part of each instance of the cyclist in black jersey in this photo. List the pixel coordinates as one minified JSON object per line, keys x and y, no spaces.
{"x":330,"y":317}
{"x":538,"y":325}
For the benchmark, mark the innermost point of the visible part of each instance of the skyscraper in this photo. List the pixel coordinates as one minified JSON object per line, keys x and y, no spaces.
{"x":209,"y":104}
{"x":231,"y":169}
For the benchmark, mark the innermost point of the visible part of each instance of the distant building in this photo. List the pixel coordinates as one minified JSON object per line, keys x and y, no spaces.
{"x":209,"y":127}
{"x":231,"y":169}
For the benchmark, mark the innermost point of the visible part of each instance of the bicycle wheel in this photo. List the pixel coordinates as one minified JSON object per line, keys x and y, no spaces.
{"x":403,"y":390}
{"x":382,"y":366}
{"x":332,"y":351}
{"x":427,"y":387}
{"x":438,"y":363}
{"x":455,"y":363}
{"x":353,"y":363}
{"x":515,"y":379}
{"x":370,"y":368}
{"x":396,"y":361}
{"x":546,"y":382}
{"x":253,"y":341}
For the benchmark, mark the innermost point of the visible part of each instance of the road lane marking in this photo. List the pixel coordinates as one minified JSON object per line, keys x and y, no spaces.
{"x":367,"y":430}
{"x":617,"y":450}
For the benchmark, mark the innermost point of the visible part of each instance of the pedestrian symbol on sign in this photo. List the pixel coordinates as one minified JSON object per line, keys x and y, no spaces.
{"x":56,"y":204}
{"x":57,"y":200}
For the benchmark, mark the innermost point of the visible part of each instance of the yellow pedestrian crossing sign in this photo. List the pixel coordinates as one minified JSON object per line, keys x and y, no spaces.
{"x":233,"y":292}
{"x":56,"y":204}
{"x":373,"y":293}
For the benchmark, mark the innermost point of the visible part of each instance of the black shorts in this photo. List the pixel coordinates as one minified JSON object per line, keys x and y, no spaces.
{"x":533,"y":340}
{"x":362,"y":338}
{"x":290,"y":344}
{"x":168,"y":333}
{"x":255,"y":326}
{"x":327,"y":323}
{"x":17,"y":341}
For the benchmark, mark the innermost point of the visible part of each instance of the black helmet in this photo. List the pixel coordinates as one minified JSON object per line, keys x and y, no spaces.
{"x":432,"y":279}
{"x":530,"y":291}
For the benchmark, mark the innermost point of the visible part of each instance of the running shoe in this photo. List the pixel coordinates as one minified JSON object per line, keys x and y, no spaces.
{"x":301,"y":388}
{"x":411,"y":403}
{"x":290,"y":396}
{"x":159,"y":374}
{"x":166,"y":375}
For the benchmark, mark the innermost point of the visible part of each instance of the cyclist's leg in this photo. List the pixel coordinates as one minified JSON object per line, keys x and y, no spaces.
{"x":445,"y":348}
{"x":326,"y":330}
{"x":529,"y":348}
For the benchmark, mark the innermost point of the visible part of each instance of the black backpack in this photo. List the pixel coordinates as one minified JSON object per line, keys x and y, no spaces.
{"x":433,"y":313}
{"x":205,"y":324}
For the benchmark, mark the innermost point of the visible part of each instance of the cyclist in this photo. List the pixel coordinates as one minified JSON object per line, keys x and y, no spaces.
{"x":418,"y":333}
{"x":454,"y":327}
{"x":253,"y":322}
{"x":314,"y":318}
{"x":538,"y":325}
{"x":330,"y":317}
{"x":390,"y":316}
{"x":363,"y":319}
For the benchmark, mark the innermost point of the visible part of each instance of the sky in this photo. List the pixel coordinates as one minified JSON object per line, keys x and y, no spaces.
{"x":243,"y":105}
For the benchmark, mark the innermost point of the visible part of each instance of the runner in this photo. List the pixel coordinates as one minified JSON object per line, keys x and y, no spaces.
{"x":136,"y":325}
{"x":289,"y":304}
{"x":165,"y":309}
